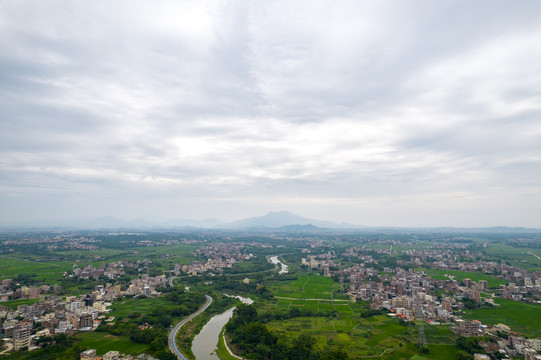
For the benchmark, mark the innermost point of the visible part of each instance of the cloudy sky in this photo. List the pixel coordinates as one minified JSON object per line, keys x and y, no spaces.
{"x":401,"y":113}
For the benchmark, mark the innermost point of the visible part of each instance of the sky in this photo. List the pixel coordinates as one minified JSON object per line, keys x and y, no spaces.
{"x":377,"y":113}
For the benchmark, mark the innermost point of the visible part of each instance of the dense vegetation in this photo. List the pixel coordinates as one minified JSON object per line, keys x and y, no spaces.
{"x":256,"y":341}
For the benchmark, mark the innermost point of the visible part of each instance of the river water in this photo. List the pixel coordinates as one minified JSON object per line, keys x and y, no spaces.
{"x":205,"y":343}
{"x":274,"y":260}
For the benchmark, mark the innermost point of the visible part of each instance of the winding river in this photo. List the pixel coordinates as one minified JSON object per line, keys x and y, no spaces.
{"x":205,"y":343}
{"x":274,"y":260}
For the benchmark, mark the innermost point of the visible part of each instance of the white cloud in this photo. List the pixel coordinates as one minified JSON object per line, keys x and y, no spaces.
{"x":375,"y":113}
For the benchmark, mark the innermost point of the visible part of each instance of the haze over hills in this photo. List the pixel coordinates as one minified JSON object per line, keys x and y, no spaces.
{"x":279,"y":220}
{"x":272,"y":220}
{"x":111,"y":222}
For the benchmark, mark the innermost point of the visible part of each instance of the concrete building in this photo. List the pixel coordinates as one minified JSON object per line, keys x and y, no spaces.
{"x":111,"y":355}
{"x":85,"y":321}
{"x":21,"y":336}
{"x":531,"y":354}
{"x":477,"y":356}
{"x":483,"y":284}
{"x":89,"y":354}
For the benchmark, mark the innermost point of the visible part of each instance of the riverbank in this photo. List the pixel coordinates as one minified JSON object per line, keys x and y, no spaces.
{"x":223,"y":351}
{"x":206,"y":343}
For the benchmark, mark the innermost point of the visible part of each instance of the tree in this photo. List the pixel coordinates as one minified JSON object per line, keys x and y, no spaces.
{"x":468,"y":344}
{"x":303,"y":346}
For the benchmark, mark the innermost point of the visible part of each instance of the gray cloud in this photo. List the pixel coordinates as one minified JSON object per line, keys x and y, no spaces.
{"x":376,"y":113}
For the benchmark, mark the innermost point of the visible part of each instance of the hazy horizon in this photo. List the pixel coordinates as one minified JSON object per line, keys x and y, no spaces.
{"x":376,"y":113}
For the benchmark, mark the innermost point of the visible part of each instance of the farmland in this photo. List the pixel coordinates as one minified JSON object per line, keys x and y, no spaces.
{"x":341,"y":322}
{"x":440,"y":274}
{"x":104,"y":342}
{"x":371,"y":337}
{"x":521,"y":257}
{"x":308,"y":287}
{"x":136,"y":305}
{"x":520,"y":316}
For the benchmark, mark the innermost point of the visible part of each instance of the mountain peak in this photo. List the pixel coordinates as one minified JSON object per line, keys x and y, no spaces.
{"x":278,"y":219}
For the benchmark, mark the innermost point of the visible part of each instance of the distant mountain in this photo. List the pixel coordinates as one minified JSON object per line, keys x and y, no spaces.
{"x":111,"y":222}
{"x":205,"y":223}
{"x":139,"y":223}
{"x":279,"y":219}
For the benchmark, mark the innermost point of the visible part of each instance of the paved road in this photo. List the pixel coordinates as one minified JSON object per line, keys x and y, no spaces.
{"x":173,"y":333}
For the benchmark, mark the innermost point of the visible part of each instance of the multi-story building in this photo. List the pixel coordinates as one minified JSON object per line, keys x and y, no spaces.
{"x":21,"y":335}
{"x":86,"y":321}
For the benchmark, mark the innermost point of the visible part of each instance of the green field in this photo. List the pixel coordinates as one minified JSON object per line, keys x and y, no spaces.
{"x":520,"y":257}
{"x":439,"y":274}
{"x":376,"y":336}
{"x":46,"y":272}
{"x":104,"y":342}
{"x":50,"y":271}
{"x":141,"y":305}
{"x":315,"y":305}
{"x":308,"y":287}
{"x":439,"y":334}
{"x":14,"y":303}
{"x":521,"y":317}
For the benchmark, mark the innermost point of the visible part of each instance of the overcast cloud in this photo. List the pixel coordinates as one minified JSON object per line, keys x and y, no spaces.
{"x":401,"y":113}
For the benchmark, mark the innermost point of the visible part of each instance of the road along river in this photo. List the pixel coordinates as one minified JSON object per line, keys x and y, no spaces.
{"x":173,"y":334}
{"x":205,"y":343}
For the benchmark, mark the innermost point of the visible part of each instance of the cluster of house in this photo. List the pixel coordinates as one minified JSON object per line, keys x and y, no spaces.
{"x":218,"y":256}
{"x":57,"y":242}
{"x":90,"y":354}
{"x":56,"y":315}
{"x":512,"y":346}
{"x":109,"y":270}
{"x":324,"y":261}
{"x":523,"y":281}
{"x":521,"y":292}
{"x":409,"y":295}
{"x":146,"y":285}
{"x":8,"y":292}
{"x":523,"y":284}
{"x":163,"y":242}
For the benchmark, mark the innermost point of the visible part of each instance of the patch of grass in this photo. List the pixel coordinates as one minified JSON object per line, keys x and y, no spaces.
{"x":515,"y":256}
{"x":357,"y":335}
{"x":520,"y":316}
{"x":439,"y":334}
{"x":45,"y":272}
{"x":439,"y":274}
{"x":442,"y":352}
{"x":137,"y":304}
{"x":104,"y":342}
{"x":406,"y":351}
{"x":14,"y":303}
{"x":391,"y":328}
{"x":307,"y":287}
{"x":222,"y":352}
